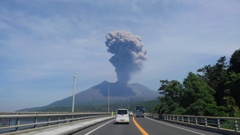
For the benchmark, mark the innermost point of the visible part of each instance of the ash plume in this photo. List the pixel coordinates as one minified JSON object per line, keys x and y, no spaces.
{"x":128,"y":54}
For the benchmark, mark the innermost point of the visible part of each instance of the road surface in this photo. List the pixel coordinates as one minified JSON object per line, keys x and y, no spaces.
{"x":145,"y":126}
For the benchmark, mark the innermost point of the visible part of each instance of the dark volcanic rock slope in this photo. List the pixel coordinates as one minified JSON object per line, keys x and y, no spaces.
{"x":98,"y":94}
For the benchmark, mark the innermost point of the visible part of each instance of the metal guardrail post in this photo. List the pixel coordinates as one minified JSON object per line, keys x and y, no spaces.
{"x":196,"y":120}
{"x":188,"y":120}
{"x":17,"y":123}
{"x":182,"y":119}
{"x":35,"y":121}
{"x":218,"y":123}
{"x":58,"y":118}
{"x":206,"y":124}
{"x":236,"y":125}
{"x":48,"y":120}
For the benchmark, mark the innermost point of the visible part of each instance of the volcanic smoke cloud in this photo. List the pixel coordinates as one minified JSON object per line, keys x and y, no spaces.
{"x":128,"y":54}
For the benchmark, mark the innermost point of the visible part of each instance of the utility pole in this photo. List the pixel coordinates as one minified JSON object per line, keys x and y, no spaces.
{"x":74,"y":89}
{"x":129,"y":105}
{"x":109,"y":95}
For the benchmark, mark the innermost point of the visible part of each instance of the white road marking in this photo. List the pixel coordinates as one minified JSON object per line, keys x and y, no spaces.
{"x":176,"y":126}
{"x":99,"y":127}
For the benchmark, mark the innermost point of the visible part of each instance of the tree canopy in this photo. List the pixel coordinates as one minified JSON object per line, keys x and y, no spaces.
{"x":213,"y":91}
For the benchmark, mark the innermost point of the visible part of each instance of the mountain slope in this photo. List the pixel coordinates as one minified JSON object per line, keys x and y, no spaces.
{"x":98,"y":94}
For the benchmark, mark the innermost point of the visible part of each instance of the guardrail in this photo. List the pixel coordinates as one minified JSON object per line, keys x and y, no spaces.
{"x":11,"y":122}
{"x":219,"y":123}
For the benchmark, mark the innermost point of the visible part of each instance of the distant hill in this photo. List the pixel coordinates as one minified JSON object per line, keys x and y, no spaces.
{"x":98,"y":95}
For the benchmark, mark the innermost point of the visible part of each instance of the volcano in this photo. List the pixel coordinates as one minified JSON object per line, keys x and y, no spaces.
{"x":98,"y":94}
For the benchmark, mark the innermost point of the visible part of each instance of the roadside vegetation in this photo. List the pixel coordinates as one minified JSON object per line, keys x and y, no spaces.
{"x":213,"y":91}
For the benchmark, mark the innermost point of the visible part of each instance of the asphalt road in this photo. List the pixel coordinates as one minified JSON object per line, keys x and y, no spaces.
{"x":150,"y":126}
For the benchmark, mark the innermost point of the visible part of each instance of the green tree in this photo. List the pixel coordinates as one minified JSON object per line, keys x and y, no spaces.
{"x":198,"y":96}
{"x":233,"y":86}
{"x":233,"y":83}
{"x":214,"y":91}
{"x":235,"y":62}
{"x":170,"y":100}
{"x":216,"y":76}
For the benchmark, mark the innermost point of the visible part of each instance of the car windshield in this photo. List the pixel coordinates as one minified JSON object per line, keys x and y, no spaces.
{"x":122,"y":112}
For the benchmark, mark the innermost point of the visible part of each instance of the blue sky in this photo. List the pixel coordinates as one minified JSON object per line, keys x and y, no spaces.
{"x":43,"y":42}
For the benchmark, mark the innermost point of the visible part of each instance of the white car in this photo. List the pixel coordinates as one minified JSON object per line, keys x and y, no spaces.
{"x":130,"y":113}
{"x":122,"y":116}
